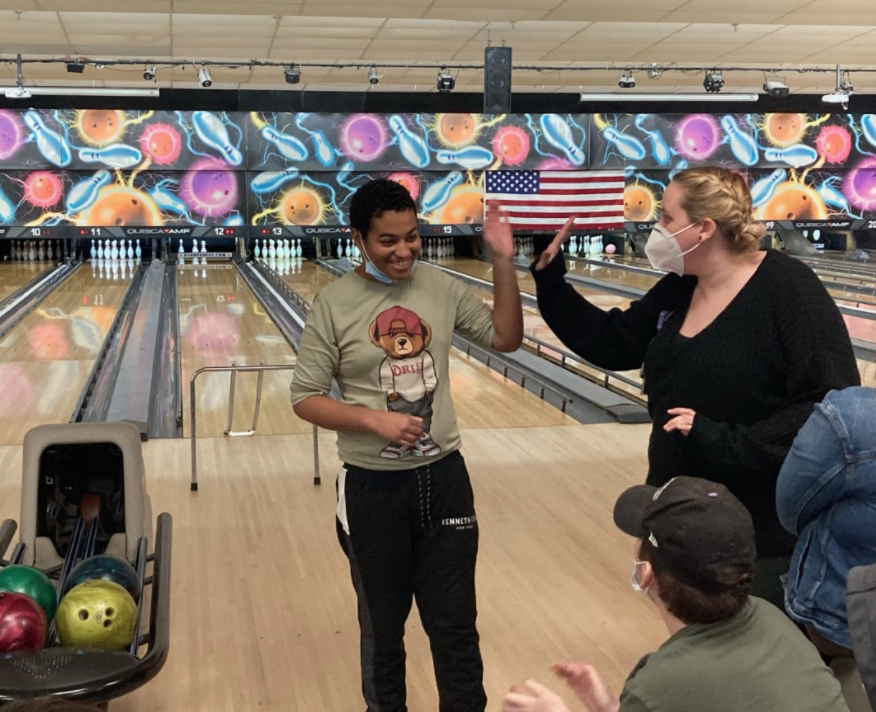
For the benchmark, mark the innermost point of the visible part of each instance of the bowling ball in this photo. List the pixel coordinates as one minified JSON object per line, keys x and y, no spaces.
{"x":101,"y":126}
{"x":11,"y":134}
{"x":97,"y":615}
{"x":31,"y":582}
{"x":457,"y":129}
{"x":119,"y":206}
{"x":794,"y":201}
{"x":301,"y":206}
{"x":610,"y":249}
{"x":465,"y":207}
{"x":638,"y":204}
{"x":105,"y":568}
{"x":23,"y":624}
{"x":511,"y":143}
{"x":785,"y":129}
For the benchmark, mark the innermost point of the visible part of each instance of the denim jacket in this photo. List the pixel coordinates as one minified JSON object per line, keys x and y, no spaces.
{"x":826,"y":494}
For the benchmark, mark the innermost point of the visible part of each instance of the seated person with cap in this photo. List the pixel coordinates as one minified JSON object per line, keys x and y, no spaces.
{"x":727,"y":651}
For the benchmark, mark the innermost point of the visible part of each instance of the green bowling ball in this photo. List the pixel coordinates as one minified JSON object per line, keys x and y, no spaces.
{"x":32,"y":583}
{"x":97,"y":615}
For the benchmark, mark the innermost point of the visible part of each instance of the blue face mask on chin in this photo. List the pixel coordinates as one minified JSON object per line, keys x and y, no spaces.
{"x":376,"y":273}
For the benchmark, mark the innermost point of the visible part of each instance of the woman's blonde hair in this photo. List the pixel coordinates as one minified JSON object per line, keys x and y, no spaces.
{"x":723,"y":196}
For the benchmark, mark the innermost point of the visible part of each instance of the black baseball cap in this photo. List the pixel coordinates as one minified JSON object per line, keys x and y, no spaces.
{"x":699,"y":532}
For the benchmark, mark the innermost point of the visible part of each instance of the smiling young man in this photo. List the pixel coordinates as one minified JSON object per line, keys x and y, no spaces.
{"x":405,"y":513}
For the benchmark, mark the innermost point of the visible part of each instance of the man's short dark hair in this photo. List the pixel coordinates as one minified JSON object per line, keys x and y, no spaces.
{"x":375,"y":198}
{"x":692,"y":605}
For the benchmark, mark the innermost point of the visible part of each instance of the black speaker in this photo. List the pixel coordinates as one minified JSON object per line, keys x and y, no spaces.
{"x":497,"y":80}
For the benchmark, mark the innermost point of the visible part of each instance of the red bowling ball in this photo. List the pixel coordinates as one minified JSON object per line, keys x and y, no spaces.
{"x":22,"y":623}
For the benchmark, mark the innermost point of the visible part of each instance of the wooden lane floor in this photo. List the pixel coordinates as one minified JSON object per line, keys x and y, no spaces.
{"x":14,"y":275}
{"x":483,"y":398}
{"x":264,"y":613}
{"x":222,"y":322}
{"x":46,"y":359}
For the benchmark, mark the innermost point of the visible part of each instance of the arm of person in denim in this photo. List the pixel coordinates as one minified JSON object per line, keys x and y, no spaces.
{"x":813,"y":478}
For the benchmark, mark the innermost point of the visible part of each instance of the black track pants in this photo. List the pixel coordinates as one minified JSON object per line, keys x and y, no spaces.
{"x":406,"y":534}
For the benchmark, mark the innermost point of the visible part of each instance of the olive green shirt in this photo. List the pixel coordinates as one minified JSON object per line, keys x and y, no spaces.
{"x":758,"y":661}
{"x":388,"y":348}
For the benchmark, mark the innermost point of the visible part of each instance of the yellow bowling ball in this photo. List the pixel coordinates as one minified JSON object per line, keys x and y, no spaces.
{"x":98,"y":615}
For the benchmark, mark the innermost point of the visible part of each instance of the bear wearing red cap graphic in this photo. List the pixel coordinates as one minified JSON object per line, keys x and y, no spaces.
{"x":407,"y":374}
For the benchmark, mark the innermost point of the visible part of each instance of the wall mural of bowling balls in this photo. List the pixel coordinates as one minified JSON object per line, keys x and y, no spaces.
{"x":209,"y":193}
{"x":91,"y":139}
{"x":415,"y":142}
{"x":454,"y":198}
{"x":33,"y":198}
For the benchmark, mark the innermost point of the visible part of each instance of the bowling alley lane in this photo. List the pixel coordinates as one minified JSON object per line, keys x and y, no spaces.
{"x":14,"y":275}
{"x":46,"y":359}
{"x":483,"y":399}
{"x":221,"y":322}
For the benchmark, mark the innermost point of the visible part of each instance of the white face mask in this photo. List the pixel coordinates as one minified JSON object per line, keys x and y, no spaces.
{"x":634,"y":578}
{"x":664,"y":252}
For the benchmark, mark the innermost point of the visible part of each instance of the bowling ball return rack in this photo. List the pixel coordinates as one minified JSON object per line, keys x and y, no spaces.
{"x":83,"y":493}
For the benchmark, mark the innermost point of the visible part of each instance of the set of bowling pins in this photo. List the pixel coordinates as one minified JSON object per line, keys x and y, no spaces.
{"x":194,"y":251}
{"x":35,"y":250}
{"x":277,"y":249}
{"x":115,"y":251}
{"x":350,"y":251}
{"x":439,"y":248}
{"x":523,"y":246}
{"x":587,"y":246}
{"x":284,"y":265}
{"x":111,"y":268}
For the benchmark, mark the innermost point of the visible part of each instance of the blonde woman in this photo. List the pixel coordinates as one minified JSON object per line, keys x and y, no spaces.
{"x":736,"y":345}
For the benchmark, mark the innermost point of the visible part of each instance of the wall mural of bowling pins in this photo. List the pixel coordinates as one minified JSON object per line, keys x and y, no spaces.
{"x":89,"y":167}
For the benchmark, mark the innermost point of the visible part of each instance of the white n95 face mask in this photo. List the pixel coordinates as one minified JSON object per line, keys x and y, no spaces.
{"x":664,"y":252}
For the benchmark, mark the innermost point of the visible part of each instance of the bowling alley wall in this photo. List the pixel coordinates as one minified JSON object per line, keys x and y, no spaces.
{"x":100,"y":167}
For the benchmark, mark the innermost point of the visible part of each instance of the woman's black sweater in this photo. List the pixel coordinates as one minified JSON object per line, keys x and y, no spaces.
{"x":752,"y":376}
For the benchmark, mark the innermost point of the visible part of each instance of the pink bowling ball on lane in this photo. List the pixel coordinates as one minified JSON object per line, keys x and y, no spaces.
{"x":610,"y":249}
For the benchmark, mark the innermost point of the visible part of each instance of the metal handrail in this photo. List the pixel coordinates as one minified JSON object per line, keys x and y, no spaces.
{"x":234,"y":370}
{"x":567,"y":356}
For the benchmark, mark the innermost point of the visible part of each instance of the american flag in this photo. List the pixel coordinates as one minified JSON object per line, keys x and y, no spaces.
{"x":544,"y":200}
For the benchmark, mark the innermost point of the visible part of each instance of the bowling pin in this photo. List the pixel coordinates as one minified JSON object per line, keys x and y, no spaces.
{"x":868,"y":128}
{"x":288,"y":146}
{"x":194,"y":247}
{"x":93,"y":250}
{"x":83,"y":195}
{"x":31,"y":253}
{"x":181,"y":249}
{"x":13,"y":251}
{"x":660,"y":150}
{"x":130,"y":250}
{"x":412,"y":146}
{"x":7,"y":209}
{"x":272,"y":251}
{"x":340,"y":252}
{"x":100,"y":249}
{"x":51,"y":145}
{"x":325,"y":154}
{"x":765,"y":188}
{"x":470,"y":158}
{"x":741,"y":144}
{"x":115,"y":251}
{"x":138,"y":253}
{"x":257,"y":251}
{"x":203,"y":247}
{"x":795,"y":156}
{"x":627,"y":146}
{"x":116,"y":156}
{"x":439,"y":192}
{"x":41,"y":252}
{"x":298,"y":248}
{"x":558,"y":134}
{"x":168,"y":202}
{"x":211,"y":130}
{"x":347,"y":249}
{"x":264,"y":248}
